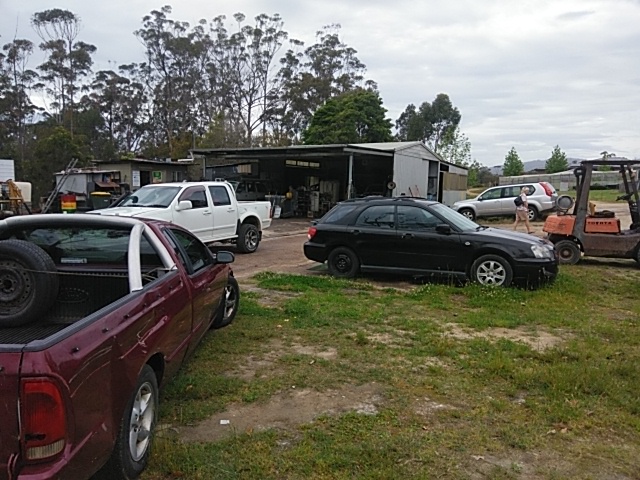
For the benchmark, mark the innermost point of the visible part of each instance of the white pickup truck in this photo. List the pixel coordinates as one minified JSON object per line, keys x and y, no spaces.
{"x":207,"y":209}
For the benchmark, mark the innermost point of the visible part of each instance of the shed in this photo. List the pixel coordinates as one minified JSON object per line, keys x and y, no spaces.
{"x":137,"y":172}
{"x":342,"y":171}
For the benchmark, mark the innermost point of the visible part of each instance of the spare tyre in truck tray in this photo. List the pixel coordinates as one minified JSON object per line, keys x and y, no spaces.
{"x":28,"y":282}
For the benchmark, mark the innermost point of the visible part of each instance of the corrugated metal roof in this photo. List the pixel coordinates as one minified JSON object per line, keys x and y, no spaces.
{"x":387,"y":145}
{"x":381,"y":146}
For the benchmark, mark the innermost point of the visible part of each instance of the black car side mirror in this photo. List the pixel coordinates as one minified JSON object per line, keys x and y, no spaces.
{"x":224,"y":257}
{"x":444,"y":228}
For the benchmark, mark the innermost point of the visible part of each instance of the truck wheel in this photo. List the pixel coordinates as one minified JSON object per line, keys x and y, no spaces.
{"x":248,"y":238}
{"x":568,"y":252}
{"x":133,"y":444}
{"x":343,"y":263}
{"x":532,"y":213}
{"x":228,"y":305}
{"x":492,"y":270}
{"x":29,"y":282}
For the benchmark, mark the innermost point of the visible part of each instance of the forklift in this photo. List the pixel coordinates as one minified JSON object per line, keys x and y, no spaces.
{"x":596,"y":234}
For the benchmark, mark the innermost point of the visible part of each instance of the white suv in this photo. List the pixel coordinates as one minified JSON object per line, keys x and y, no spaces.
{"x":497,"y":201}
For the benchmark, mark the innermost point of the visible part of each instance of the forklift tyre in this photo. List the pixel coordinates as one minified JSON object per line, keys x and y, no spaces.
{"x":568,"y":251}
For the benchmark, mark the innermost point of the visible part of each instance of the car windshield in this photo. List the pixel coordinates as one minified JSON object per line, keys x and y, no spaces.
{"x":454,"y":218}
{"x":151,"y":196}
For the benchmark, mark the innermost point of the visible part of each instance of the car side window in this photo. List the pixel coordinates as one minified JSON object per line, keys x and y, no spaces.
{"x":379,"y":216}
{"x":220,"y":195}
{"x":197,"y":254}
{"x":492,"y":194}
{"x":337,"y":213}
{"x":532,"y":189}
{"x":509,"y":192}
{"x":196,"y":195}
{"x":414,"y":218}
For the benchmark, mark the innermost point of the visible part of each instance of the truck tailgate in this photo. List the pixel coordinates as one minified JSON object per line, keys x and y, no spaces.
{"x":9,"y":390}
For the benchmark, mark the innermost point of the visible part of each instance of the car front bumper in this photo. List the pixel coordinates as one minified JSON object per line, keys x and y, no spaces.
{"x":536,"y":270}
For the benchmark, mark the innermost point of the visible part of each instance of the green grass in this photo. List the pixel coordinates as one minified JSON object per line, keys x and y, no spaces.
{"x":597,"y":195}
{"x":504,"y":409}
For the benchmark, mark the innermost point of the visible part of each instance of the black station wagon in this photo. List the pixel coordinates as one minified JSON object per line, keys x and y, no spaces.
{"x":418,"y":237}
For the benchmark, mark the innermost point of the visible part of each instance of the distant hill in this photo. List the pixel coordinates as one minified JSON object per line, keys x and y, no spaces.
{"x":533,"y":165}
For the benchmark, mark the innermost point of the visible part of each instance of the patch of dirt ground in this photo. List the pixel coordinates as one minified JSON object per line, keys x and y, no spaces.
{"x":285,"y":410}
{"x":263,"y":365}
{"x":538,"y":340}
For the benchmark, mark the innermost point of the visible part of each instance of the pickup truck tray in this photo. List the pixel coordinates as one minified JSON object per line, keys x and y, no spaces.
{"x":77,"y":299}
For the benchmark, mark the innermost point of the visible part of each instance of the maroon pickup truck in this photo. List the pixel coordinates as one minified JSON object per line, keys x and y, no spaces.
{"x":97,"y":313}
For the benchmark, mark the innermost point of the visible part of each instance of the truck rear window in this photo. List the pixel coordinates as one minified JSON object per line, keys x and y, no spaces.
{"x":89,"y":246}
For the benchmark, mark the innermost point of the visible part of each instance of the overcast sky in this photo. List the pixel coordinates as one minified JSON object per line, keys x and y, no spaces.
{"x":527,"y":74}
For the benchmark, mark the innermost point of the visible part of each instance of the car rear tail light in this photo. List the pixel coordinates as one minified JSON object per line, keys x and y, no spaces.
{"x":312,"y":232}
{"x":547,"y":189}
{"x":43,"y":419}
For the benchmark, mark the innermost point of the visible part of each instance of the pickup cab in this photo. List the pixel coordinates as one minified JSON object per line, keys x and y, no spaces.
{"x":96,"y":314}
{"x":210,"y":210}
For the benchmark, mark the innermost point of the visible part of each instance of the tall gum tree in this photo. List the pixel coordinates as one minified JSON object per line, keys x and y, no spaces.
{"x":19,"y":110}
{"x":68,"y":62}
{"x":432,"y":123}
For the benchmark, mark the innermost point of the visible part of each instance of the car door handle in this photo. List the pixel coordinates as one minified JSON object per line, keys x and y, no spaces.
{"x":231,"y":210}
{"x":356,"y":232}
{"x":207,"y":212}
{"x":408,"y":235}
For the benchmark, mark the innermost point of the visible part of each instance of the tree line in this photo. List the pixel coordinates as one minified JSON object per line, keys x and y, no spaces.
{"x":220,"y":83}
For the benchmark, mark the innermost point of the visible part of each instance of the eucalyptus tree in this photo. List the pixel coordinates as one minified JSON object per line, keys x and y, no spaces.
{"x":68,"y":61}
{"x":121,"y":100}
{"x":6,"y":146}
{"x":17,"y":106}
{"x":176,"y":60}
{"x":242,"y":70}
{"x":310,"y":78}
{"x":432,"y":123}
{"x":455,"y":147}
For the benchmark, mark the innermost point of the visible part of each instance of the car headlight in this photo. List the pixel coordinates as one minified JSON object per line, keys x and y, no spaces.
{"x":542,"y":251}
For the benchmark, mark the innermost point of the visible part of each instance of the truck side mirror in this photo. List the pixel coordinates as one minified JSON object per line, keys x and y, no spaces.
{"x":184,"y":205}
{"x":224,"y":257}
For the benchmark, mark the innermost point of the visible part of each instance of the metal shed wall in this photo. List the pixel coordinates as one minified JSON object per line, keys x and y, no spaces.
{"x":7,"y":170}
{"x":412,"y":169}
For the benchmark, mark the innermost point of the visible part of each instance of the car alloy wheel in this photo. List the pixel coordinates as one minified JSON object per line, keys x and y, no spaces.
{"x":492,"y":270}
{"x":468,"y":213}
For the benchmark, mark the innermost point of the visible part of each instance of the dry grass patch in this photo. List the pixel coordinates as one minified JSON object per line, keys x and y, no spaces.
{"x":538,"y":340}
